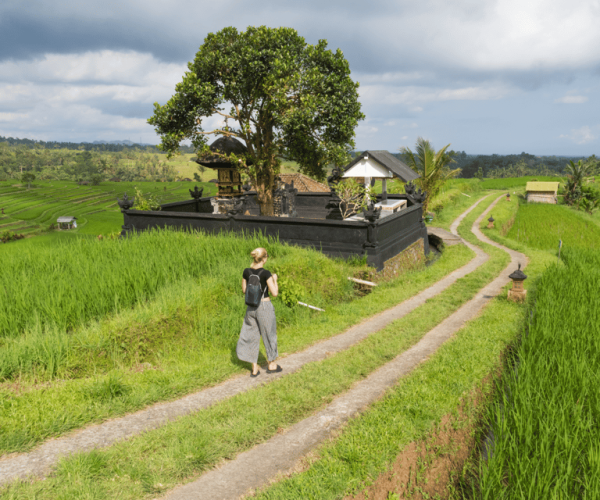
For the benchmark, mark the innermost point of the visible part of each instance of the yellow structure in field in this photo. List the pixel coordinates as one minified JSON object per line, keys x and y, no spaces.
{"x":542,"y":192}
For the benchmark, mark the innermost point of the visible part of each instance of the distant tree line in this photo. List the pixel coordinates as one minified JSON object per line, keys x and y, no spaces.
{"x":87,"y":146}
{"x":499,"y":166}
{"x":82,"y":165}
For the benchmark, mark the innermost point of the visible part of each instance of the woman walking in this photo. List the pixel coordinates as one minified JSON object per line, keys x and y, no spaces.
{"x":259,"y":320}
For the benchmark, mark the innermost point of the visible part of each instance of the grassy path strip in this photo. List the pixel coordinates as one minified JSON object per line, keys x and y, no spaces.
{"x":282,"y":452}
{"x":40,"y":460}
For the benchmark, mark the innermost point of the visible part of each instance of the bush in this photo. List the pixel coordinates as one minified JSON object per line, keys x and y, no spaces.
{"x":289,"y":291}
{"x":146,"y":201}
{"x":7,"y":236}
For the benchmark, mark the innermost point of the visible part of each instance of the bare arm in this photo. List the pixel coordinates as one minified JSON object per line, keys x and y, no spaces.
{"x":243,"y":285}
{"x":272,"y":284}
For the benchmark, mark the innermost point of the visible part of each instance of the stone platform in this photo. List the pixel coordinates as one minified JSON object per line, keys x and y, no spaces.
{"x":445,"y":236}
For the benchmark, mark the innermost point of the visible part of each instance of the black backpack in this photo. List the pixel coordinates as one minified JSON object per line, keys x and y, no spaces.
{"x":253,"y":290}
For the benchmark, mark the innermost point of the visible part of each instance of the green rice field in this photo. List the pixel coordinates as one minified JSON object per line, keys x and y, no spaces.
{"x":541,"y":226}
{"x":116,"y":325}
{"x":32,"y":211}
{"x":544,"y":423}
{"x":516,"y":182}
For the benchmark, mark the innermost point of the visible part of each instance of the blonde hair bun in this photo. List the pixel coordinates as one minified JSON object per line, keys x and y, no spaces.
{"x":258,"y":254}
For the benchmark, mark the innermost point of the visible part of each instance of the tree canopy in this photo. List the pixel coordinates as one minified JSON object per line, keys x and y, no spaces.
{"x":432,"y":165}
{"x":287,"y":99}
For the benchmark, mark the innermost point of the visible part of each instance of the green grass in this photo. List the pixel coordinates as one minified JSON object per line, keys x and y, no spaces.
{"x":104,"y":223}
{"x":186,"y":168}
{"x":189,"y":348}
{"x":540,"y":226}
{"x":516,"y":182}
{"x":135,"y":468}
{"x":47,"y":200}
{"x":85,"y":279}
{"x":452,"y":201}
{"x":545,"y":417}
{"x":504,"y":214}
{"x":370,"y":443}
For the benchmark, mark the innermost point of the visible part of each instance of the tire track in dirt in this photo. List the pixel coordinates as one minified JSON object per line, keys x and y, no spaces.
{"x":283,"y":452}
{"x":40,"y":461}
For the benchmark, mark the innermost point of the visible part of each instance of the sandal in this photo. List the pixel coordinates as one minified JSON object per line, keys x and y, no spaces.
{"x":276,"y":370}
{"x":255,"y":374}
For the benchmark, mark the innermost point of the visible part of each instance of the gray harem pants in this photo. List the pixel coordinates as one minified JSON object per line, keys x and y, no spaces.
{"x":259,"y":321}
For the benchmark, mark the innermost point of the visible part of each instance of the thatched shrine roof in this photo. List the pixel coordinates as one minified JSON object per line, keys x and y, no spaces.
{"x":543,"y":187}
{"x":224,"y":146}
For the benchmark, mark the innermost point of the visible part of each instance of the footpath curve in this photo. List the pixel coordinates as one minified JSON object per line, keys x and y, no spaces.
{"x":282,"y":453}
{"x":40,"y":461}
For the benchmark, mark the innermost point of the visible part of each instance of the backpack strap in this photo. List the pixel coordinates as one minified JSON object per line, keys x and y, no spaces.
{"x":262,"y":292}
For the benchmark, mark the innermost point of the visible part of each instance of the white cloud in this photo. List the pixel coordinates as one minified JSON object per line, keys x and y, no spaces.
{"x":501,"y":35}
{"x":581,"y":135}
{"x":95,"y":95}
{"x":412,"y":96}
{"x":572,"y":99}
{"x":102,"y":67}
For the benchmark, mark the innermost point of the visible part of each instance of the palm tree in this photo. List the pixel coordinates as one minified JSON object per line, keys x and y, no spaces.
{"x":432,"y":166}
{"x":576,"y":173}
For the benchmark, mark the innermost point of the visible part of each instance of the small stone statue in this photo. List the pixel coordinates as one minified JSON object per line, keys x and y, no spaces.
{"x":239,"y":204}
{"x":196,"y":193}
{"x":372,"y":213}
{"x":334,"y":178}
{"x":416,"y":194}
{"x":126,"y":203}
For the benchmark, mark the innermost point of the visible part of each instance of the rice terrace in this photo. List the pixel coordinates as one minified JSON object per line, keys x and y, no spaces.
{"x":438,"y":334}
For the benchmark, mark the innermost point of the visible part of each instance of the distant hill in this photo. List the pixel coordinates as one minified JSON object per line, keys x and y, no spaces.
{"x":113,"y":146}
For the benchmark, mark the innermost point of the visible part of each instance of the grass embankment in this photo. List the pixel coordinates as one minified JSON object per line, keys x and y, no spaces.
{"x":546,"y":440}
{"x":104,"y":310}
{"x":454,"y":198}
{"x":157,"y":460}
{"x":199,"y":351}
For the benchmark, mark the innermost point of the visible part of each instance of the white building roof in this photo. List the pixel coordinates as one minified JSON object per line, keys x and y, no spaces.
{"x":65,"y":219}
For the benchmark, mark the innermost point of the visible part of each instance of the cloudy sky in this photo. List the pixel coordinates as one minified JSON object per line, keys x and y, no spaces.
{"x":487,"y":76}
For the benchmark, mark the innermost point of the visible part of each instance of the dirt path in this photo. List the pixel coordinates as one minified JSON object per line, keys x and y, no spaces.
{"x":283,"y":452}
{"x":40,"y":461}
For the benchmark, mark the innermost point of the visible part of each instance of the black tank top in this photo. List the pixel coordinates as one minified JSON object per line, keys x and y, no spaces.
{"x":264,"y":276}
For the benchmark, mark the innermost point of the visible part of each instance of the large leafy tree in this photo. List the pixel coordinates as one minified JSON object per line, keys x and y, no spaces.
{"x":287,"y":99}
{"x":431,"y":165}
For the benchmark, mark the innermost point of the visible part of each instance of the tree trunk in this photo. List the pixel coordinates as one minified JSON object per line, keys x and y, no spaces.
{"x":265,"y":201}
{"x":265,"y":181}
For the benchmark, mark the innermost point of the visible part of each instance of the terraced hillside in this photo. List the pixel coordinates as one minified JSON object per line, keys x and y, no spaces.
{"x":30,"y":211}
